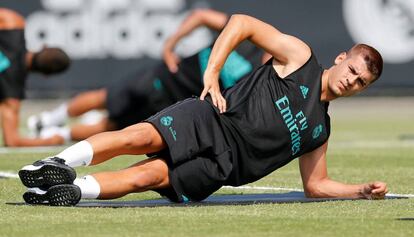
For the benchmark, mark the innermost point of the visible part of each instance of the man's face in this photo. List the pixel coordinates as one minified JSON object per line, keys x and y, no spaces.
{"x":349,"y":76}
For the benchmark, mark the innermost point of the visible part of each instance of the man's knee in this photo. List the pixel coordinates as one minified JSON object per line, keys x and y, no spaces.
{"x":142,"y":135}
{"x":100,"y":96}
{"x":143,"y":180}
{"x":151,"y":175}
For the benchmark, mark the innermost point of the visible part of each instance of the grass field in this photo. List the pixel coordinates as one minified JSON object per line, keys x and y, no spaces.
{"x":371,"y":139}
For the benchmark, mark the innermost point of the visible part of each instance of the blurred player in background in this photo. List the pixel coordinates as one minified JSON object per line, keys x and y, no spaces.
{"x":15,"y":64}
{"x":148,"y":91}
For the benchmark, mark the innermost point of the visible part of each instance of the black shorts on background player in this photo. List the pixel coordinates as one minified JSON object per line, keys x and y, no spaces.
{"x":269,"y":122}
{"x":13,"y":69}
{"x":136,"y":97}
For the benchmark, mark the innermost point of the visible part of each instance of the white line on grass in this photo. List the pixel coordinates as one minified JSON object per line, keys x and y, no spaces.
{"x":45,"y":149}
{"x":7,"y":174}
{"x":373,"y":144}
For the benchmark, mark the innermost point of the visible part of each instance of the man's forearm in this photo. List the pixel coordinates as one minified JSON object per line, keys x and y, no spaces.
{"x":22,"y":142}
{"x":9,"y":114}
{"x":333,"y":189}
{"x":230,"y":37}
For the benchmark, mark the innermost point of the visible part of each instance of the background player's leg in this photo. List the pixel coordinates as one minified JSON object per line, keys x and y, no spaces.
{"x":87,"y":101}
{"x":80,"y":132}
{"x":79,"y":105}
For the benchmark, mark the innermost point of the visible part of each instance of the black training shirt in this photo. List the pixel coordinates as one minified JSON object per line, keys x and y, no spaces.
{"x":270,"y":120}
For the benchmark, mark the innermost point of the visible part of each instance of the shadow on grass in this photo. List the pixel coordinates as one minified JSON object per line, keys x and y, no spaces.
{"x":405,"y":219}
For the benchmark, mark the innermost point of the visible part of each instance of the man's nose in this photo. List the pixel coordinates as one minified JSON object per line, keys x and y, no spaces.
{"x":352,"y":79}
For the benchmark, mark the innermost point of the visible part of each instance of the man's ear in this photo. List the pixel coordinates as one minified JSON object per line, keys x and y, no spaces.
{"x":341,"y":57}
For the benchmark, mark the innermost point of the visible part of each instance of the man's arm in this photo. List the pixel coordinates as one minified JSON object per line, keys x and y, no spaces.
{"x":289,"y":52}
{"x":9,"y":111}
{"x":201,"y":17}
{"x":317,"y":184}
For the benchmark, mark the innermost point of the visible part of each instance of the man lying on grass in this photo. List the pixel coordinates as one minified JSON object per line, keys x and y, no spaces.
{"x":200,"y":144}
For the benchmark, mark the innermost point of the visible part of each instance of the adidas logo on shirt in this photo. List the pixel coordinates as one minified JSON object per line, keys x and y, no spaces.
{"x":305,"y":91}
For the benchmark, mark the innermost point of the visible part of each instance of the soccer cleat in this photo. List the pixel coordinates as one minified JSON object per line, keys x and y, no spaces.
{"x":58,"y":195}
{"x":47,"y":173}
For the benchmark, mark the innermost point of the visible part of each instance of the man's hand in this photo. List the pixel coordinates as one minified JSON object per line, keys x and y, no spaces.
{"x":171,"y":60}
{"x":374,"y":190}
{"x":211,"y":86}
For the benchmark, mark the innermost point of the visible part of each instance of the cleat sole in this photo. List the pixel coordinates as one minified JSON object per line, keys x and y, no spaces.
{"x":59,"y":195}
{"x":48,"y":175}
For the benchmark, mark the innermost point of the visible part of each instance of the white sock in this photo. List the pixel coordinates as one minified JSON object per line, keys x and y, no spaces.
{"x":55,"y":117}
{"x":52,"y":131}
{"x":79,"y":154}
{"x":91,"y":117}
{"x":89,"y":187}
{"x":65,"y":133}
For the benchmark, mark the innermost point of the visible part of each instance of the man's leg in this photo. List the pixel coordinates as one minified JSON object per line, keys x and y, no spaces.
{"x":145,"y":175}
{"x":79,"y":105}
{"x":80,"y":132}
{"x":87,"y":101}
{"x":141,"y":138}
{"x":138,"y":139}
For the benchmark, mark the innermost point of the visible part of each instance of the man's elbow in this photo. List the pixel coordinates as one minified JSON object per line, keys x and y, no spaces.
{"x":238,"y":19}
{"x":313,"y":191}
{"x":240,"y":26}
{"x":202,"y":16}
{"x":312,"y":194}
{"x":197,"y":13}
{"x":12,"y":142}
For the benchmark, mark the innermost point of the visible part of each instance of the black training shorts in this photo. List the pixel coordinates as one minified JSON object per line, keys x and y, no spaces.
{"x":198,"y":154}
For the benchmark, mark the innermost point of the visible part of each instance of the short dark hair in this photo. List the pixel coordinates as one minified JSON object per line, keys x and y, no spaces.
{"x":50,"y":61}
{"x":372,"y":58}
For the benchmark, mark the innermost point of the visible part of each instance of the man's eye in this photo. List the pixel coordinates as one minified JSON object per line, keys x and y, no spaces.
{"x":352,"y":70}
